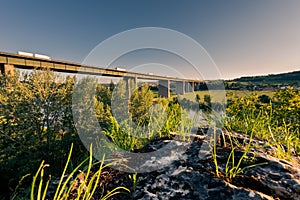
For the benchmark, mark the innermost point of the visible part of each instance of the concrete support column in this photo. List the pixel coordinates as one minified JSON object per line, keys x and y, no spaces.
{"x":192,"y":88}
{"x":180,"y":87}
{"x":164,"y":88}
{"x":131,"y":84}
{"x":196,"y":86}
{"x":187,"y":87}
{"x":2,"y":69}
{"x":7,"y":69}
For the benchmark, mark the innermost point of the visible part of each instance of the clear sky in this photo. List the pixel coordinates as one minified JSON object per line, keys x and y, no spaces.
{"x":243,"y":37}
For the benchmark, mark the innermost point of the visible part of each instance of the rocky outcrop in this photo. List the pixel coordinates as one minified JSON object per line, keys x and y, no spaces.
{"x":193,"y":176}
{"x":191,"y":172}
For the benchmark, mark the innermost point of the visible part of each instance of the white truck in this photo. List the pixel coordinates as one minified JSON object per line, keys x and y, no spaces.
{"x":42,"y":56}
{"x":23,"y":53}
{"x":120,"y":69}
{"x":35,"y":55}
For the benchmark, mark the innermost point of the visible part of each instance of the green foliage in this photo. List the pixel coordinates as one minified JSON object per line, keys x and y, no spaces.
{"x":119,"y":100}
{"x":86,"y":188}
{"x":198,"y":98}
{"x":214,"y":153}
{"x":140,"y":103}
{"x":173,"y":118}
{"x":134,"y":179}
{"x":283,"y":78}
{"x":286,"y":106}
{"x":207,"y":100}
{"x":35,"y":123}
{"x":104,"y":94}
{"x":157,"y":119}
{"x":125,"y":136}
{"x":277,"y":121}
{"x":232,"y":169}
{"x":235,"y":165}
{"x":264,"y":98}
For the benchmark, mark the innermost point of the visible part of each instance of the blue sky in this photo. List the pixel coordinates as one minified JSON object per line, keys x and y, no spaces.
{"x":242,"y":37}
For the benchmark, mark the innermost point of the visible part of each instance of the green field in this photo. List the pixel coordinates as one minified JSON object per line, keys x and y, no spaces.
{"x":218,"y":94}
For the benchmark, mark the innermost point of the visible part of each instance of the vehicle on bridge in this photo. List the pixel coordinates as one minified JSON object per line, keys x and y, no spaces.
{"x":120,"y":69}
{"x":41,"y":56}
{"x":23,"y":53}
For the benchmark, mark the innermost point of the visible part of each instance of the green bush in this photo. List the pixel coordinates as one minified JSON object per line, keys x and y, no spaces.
{"x":35,"y":123}
{"x":276,"y":122}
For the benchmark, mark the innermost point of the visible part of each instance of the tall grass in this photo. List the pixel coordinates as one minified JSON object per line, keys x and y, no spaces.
{"x":84,"y":190}
{"x":234,"y":165}
{"x":163,"y":121}
{"x":267,"y":121}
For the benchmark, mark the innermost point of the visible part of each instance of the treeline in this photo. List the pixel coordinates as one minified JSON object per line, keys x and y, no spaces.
{"x":283,"y":78}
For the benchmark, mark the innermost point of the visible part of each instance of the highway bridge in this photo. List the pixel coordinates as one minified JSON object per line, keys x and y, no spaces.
{"x":9,"y":62}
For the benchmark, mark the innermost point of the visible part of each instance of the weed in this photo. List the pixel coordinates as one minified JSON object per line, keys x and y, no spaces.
{"x":134,"y":180}
{"x":233,"y":166}
{"x":235,"y":169}
{"x":271,"y":121}
{"x":85,"y":190}
{"x":214,"y":153}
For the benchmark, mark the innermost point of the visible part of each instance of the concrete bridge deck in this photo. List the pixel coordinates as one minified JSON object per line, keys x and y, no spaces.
{"x":9,"y":61}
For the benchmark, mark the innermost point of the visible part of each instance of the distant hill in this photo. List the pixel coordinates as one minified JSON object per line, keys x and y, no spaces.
{"x":283,"y":78}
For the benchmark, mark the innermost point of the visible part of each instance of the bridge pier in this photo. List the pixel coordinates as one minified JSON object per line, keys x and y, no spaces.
{"x":187,"y":87}
{"x":192,"y":87}
{"x":7,"y":69}
{"x":180,"y":87}
{"x":131,"y":84}
{"x":164,"y":88}
{"x":196,"y":87}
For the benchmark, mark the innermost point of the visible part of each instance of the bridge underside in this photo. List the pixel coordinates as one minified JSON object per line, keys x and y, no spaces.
{"x":164,"y":89}
{"x":7,"y":69}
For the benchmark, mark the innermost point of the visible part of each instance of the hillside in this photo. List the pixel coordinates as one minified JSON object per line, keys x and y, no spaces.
{"x":283,"y":78}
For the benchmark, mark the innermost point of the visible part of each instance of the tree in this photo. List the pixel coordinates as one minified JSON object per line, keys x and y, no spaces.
{"x":119,"y":102}
{"x":104,"y":94}
{"x":140,"y":103}
{"x":207,"y":99}
{"x":286,"y":106}
{"x":264,"y":98}
{"x":198,"y":98}
{"x":36,"y":122}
